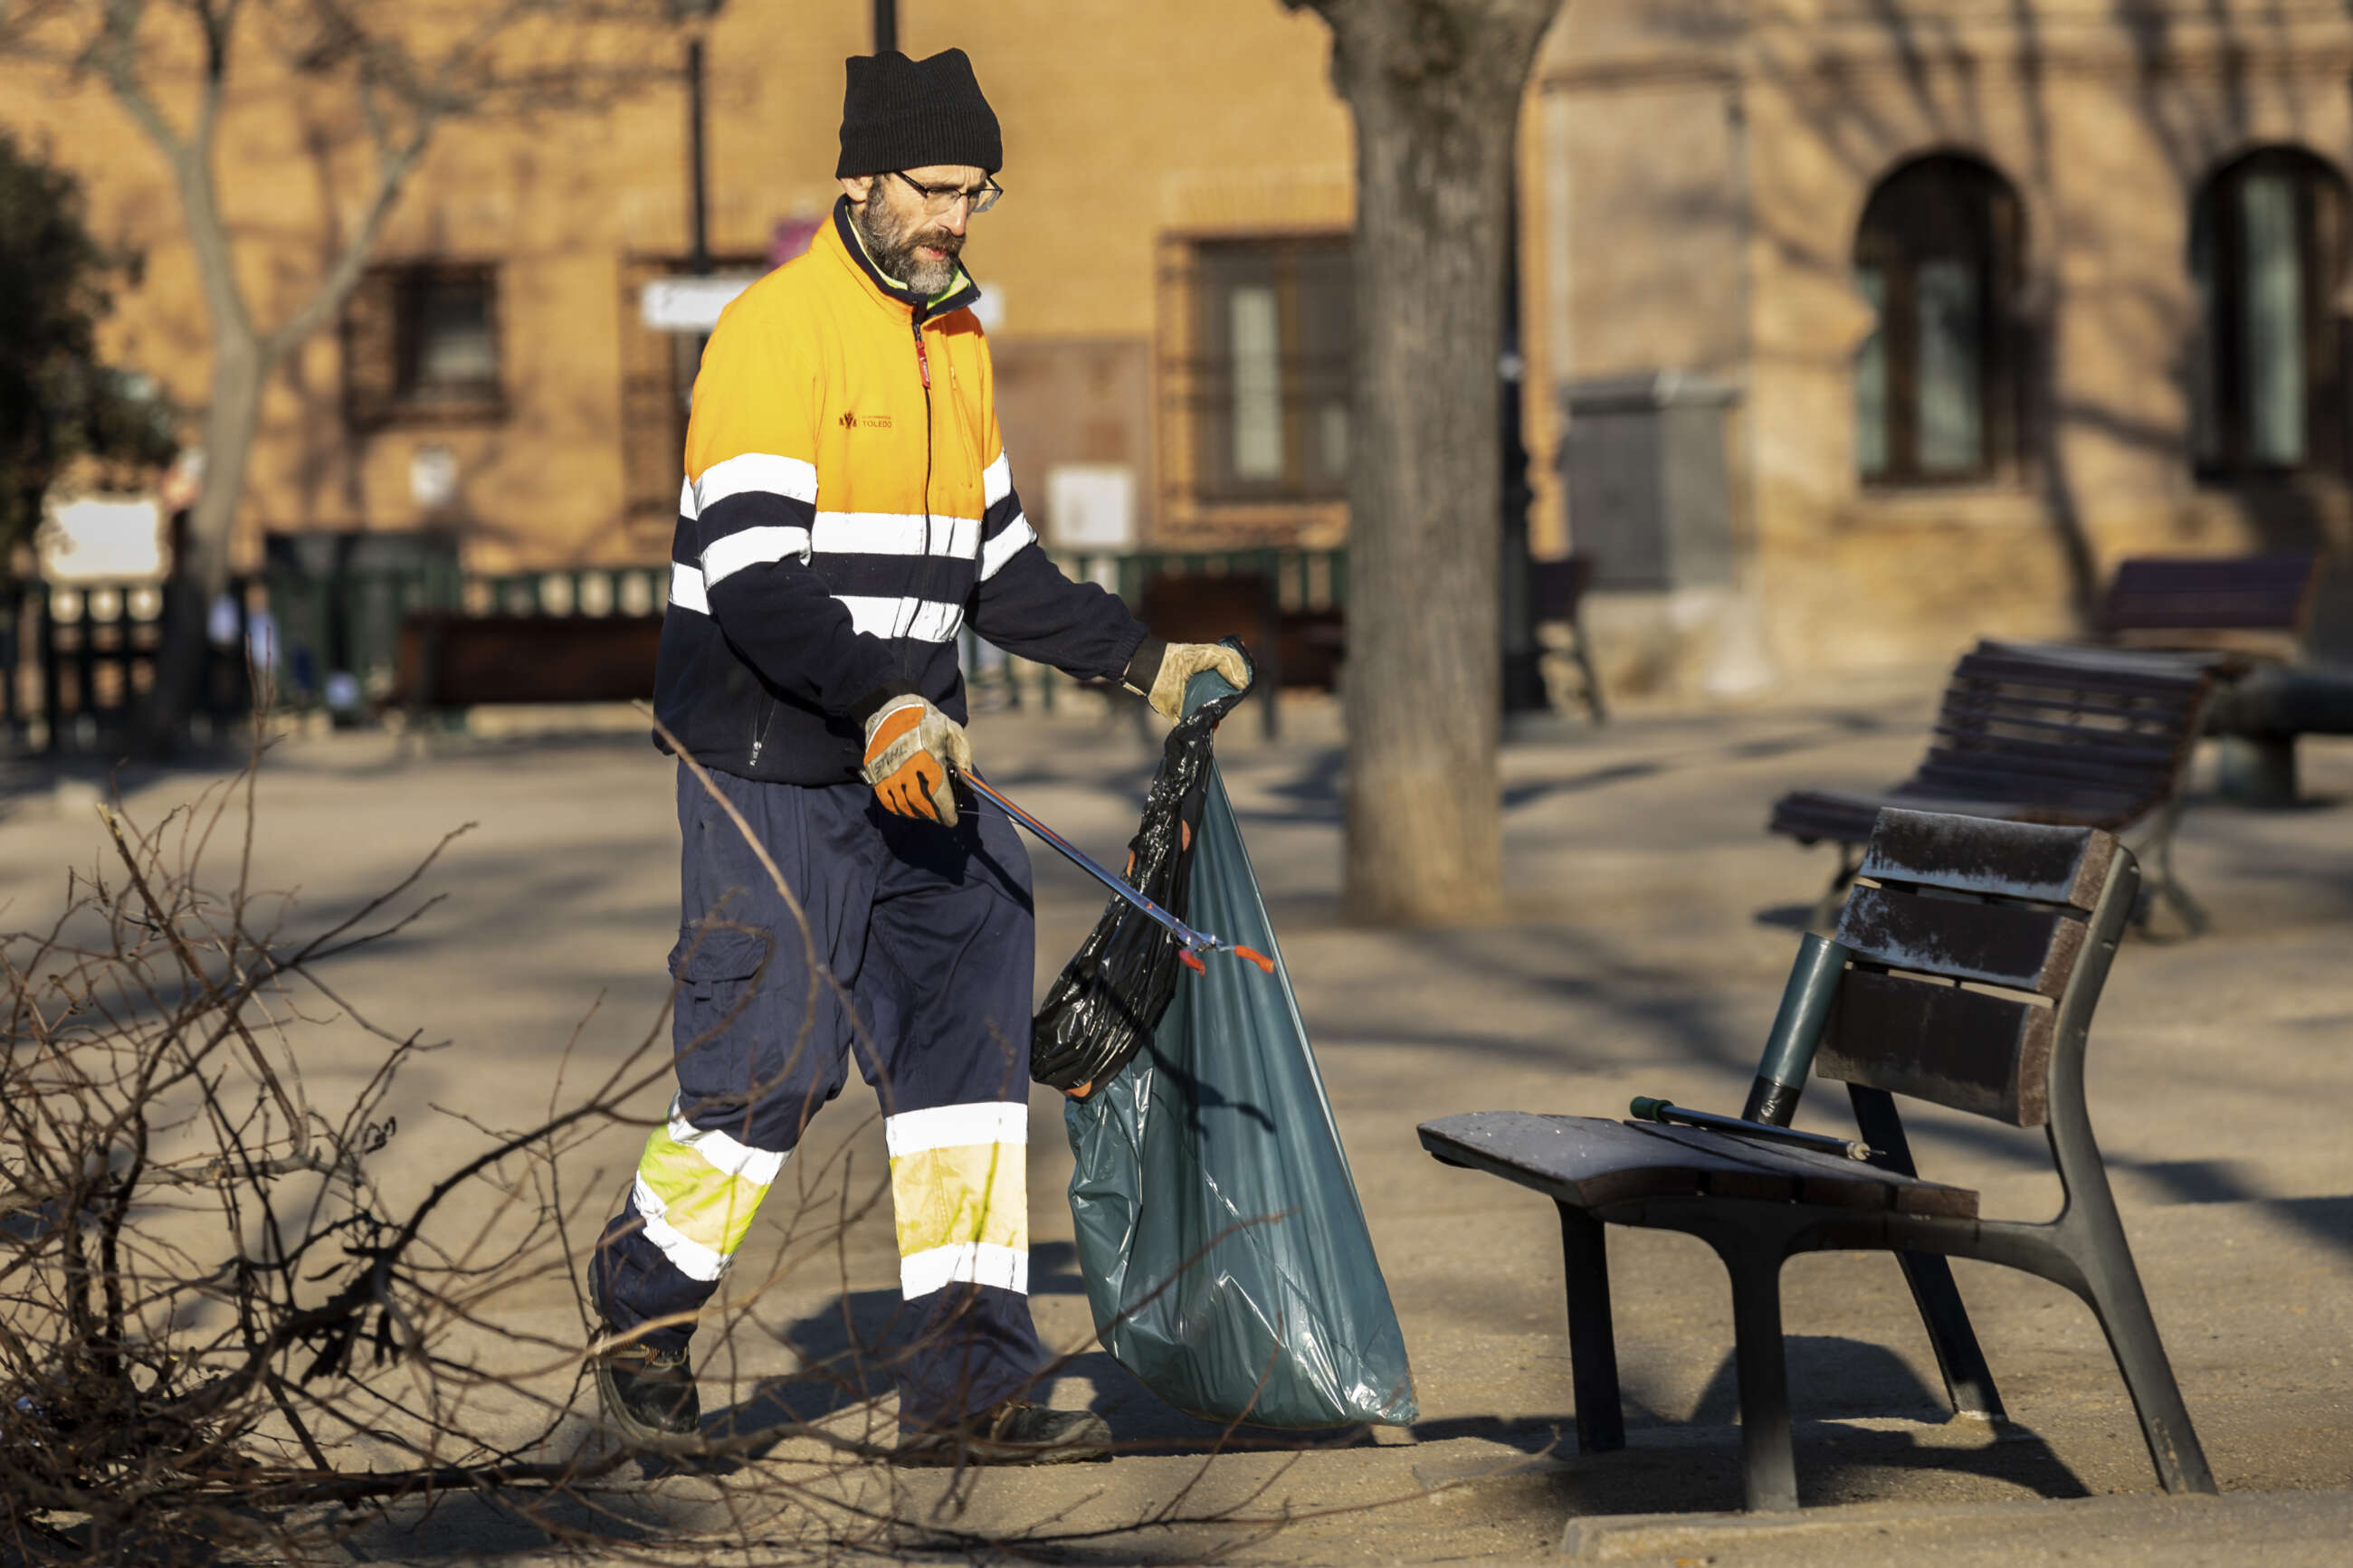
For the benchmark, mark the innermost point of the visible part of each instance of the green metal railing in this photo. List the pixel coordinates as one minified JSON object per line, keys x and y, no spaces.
{"x":351,"y":620}
{"x":1302,"y":579}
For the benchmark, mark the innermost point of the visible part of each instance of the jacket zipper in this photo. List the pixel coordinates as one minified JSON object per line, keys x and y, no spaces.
{"x":760,"y":727}
{"x":924,"y":366}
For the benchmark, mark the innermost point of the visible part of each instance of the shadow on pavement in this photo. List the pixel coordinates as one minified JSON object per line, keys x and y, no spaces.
{"x":846,"y":1351}
{"x":1859,"y":1409}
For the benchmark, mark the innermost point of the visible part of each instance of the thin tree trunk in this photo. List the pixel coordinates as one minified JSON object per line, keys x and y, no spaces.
{"x":1435,"y":86}
{"x":232,"y":417}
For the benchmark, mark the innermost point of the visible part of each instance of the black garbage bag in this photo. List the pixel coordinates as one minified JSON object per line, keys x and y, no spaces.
{"x":1109,"y":998}
{"x":1225,"y":1252}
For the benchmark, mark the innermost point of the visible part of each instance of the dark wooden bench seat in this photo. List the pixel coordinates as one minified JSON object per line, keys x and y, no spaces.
{"x":1600,"y":1165}
{"x":2039,"y":734}
{"x":2250,"y":615}
{"x":1965,"y":971}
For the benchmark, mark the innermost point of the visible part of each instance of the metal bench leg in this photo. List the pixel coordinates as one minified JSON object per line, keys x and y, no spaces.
{"x":2092,"y":1238}
{"x":1582,"y":653}
{"x":1592,"y":1342}
{"x":2256,"y":770}
{"x":1767,"y":1464}
{"x":1969,"y":1381}
{"x":2122,"y":1306}
{"x":2167,"y":884}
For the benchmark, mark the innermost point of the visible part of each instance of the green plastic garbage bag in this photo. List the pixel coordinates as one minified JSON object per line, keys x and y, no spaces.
{"x":1224,"y":1248}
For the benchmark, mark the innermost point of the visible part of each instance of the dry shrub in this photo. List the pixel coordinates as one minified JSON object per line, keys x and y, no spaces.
{"x":222,"y":1340}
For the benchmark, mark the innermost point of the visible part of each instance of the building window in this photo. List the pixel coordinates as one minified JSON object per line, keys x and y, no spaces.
{"x":1936,"y":384}
{"x":1274,"y":342}
{"x":2266,"y":248}
{"x":421,"y":342}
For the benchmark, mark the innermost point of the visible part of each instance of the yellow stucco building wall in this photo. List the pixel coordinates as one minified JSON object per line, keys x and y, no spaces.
{"x":1705,"y":167}
{"x":1127,"y":129}
{"x":1694,"y":173}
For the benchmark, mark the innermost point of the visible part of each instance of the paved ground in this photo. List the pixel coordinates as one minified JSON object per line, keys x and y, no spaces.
{"x":1650,"y":924}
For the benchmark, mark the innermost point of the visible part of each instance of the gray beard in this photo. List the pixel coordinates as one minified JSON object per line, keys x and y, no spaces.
{"x":893,"y":250}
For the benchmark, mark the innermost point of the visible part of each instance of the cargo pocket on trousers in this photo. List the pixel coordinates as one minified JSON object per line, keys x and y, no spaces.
{"x":719,"y":973}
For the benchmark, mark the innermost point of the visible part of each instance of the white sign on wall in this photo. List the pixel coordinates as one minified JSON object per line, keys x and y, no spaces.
{"x":433,"y":477}
{"x":1092,"y":506}
{"x":689,"y":304}
{"x":102,"y":539}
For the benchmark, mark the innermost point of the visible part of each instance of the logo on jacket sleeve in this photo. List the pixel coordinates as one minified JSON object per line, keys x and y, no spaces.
{"x":855,"y":421}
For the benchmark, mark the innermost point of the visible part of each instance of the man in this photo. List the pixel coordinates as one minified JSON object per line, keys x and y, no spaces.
{"x":848,"y":509}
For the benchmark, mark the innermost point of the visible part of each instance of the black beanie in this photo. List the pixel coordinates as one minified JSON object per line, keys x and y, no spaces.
{"x":898,"y":114}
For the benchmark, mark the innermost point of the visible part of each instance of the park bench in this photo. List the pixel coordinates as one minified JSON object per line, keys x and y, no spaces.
{"x":2249,"y":614}
{"x":1292,"y":648}
{"x":2041,"y":733}
{"x":445,"y":659}
{"x":2257,"y":604}
{"x":1956,"y":904}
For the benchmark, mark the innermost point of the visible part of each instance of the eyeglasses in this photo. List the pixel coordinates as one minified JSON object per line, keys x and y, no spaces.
{"x":938,"y":199}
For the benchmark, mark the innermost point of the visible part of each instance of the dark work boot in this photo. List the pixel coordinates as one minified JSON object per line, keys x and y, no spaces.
{"x":648,"y":1394}
{"x":1013,"y":1433}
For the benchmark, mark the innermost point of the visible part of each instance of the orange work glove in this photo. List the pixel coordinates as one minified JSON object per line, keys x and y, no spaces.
{"x":910,"y":746}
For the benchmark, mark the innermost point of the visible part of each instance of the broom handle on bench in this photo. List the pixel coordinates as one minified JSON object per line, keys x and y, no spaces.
{"x":1797,"y":1027}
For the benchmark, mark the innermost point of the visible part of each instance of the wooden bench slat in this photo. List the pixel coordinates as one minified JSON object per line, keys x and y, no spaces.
{"x":2151,"y":745}
{"x":2254,"y":593}
{"x":2040,"y":777}
{"x":1989,"y":1056}
{"x":1587,"y":1160}
{"x":2093,"y":759}
{"x":1824,"y":1179}
{"x":2028,"y":674}
{"x":2088,"y":738}
{"x":1594,"y":1163}
{"x":1964,"y":713}
{"x":1843,"y":818}
{"x":2071,"y":693}
{"x":2024,"y":949}
{"x":2049,"y":865}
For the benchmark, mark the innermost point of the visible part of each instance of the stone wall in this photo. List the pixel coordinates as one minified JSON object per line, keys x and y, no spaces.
{"x":1695,"y":134}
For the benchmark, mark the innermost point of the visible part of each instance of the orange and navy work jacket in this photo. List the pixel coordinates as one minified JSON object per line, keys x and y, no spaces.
{"x":847,"y":512}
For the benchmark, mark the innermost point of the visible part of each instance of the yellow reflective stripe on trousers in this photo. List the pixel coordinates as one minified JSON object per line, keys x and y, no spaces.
{"x":695,"y":1211}
{"x":964,"y":1215}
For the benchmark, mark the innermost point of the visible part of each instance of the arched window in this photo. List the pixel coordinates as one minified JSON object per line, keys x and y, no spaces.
{"x":2267,"y":246}
{"x":1936,"y":384}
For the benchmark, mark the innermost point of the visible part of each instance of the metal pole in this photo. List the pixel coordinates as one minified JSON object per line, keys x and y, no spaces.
{"x":698,"y":254}
{"x":886,"y":26}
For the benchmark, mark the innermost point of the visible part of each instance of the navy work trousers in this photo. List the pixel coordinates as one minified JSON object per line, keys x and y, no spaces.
{"x":922,"y":937}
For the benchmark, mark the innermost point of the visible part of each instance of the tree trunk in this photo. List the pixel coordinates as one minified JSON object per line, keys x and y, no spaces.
{"x":1435,"y":86}
{"x":240,"y":372}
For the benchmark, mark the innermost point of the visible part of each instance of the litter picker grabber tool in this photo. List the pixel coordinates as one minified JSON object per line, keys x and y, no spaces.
{"x":1191,"y":944}
{"x":1805,"y":1005}
{"x":1646,"y":1108}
